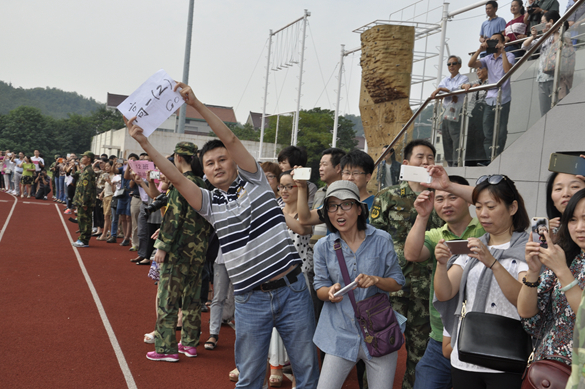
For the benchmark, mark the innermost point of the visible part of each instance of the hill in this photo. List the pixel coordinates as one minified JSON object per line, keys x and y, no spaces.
{"x":51,"y":101}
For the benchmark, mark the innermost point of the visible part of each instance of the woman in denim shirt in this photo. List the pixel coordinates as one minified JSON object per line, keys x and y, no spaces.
{"x":371,"y":260}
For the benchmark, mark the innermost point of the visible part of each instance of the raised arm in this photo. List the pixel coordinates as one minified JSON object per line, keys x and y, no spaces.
{"x":306,"y":216}
{"x":441,"y":182}
{"x":446,"y":282}
{"x":238,"y":151}
{"x":414,"y":247}
{"x":473,"y":61}
{"x":190,"y":191}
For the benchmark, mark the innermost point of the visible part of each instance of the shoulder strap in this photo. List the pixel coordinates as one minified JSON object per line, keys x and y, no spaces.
{"x":344,"y":272}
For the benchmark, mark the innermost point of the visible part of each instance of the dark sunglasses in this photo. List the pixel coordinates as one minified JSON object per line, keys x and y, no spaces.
{"x":495,"y":179}
{"x":453,"y":63}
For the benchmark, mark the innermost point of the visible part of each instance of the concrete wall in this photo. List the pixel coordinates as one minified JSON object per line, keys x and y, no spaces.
{"x":526,"y":160}
{"x":164,"y":142}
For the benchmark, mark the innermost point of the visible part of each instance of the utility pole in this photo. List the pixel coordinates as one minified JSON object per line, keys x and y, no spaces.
{"x":183,"y":111}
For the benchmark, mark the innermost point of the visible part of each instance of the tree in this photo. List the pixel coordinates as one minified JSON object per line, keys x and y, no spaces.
{"x":103,"y":119}
{"x":315,"y":134}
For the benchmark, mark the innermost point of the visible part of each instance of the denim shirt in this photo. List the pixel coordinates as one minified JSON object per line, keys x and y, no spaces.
{"x":338,"y":332}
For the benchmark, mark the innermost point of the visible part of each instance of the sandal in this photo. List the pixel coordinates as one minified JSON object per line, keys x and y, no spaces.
{"x":209,"y":345}
{"x":235,"y":375}
{"x":149,"y":338}
{"x":275,"y":380}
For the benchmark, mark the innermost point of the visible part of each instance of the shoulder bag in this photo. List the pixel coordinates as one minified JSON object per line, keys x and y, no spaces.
{"x":546,"y":373}
{"x":119,"y":193}
{"x":375,"y":317}
{"x":493,"y":341}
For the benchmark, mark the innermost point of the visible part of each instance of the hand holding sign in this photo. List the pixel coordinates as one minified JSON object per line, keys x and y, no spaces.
{"x":141,"y":167}
{"x":153,"y":102}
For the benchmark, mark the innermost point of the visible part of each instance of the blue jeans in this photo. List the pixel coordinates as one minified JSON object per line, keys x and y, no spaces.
{"x":114,"y":228}
{"x":61,"y":188}
{"x":433,"y":370}
{"x":290,"y":310}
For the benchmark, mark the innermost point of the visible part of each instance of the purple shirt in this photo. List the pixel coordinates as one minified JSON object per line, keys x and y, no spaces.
{"x":495,"y":70}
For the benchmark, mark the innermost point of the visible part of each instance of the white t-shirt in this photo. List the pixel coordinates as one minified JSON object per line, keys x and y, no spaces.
{"x":36,"y":161}
{"x":497,"y":303}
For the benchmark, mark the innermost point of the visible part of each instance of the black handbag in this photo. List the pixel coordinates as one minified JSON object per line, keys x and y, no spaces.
{"x":493,"y":341}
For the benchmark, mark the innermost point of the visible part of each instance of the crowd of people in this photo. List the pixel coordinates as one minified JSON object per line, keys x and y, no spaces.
{"x":501,"y":44}
{"x":216,"y":215}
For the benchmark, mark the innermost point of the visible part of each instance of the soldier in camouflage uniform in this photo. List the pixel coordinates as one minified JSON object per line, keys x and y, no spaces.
{"x":84,"y":199}
{"x":393,"y":211}
{"x":182,"y":247}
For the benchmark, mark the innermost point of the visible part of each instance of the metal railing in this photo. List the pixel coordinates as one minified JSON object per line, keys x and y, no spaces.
{"x":494,"y":152}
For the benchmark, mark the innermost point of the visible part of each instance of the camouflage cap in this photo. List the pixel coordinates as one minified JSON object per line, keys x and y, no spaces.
{"x":186,"y":148}
{"x":89,"y":154}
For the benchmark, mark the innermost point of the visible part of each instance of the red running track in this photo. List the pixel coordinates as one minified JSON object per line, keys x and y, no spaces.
{"x":53,"y":332}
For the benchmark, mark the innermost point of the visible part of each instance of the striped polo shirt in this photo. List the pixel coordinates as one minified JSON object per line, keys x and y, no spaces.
{"x":251,"y":228}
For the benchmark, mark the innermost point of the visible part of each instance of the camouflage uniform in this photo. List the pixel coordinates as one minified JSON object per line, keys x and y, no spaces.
{"x":577,"y":379}
{"x":184,"y":235}
{"x":85,"y":194}
{"x":393,"y":211}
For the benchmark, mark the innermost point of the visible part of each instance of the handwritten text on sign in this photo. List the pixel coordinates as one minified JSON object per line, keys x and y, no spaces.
{"x":153,"y":102}
{"x":141,"y":167}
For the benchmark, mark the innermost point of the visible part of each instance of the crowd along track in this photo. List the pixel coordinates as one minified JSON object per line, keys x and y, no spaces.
{"x":76,"y":318}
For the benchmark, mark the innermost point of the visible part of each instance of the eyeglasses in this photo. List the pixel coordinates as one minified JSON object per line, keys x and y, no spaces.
{"x":352,"y":174}
{"x":346,"y":206}
{"x":495,"y":179}
{"x":287,"y":187}
{"x":270,"y":176}
{"x":452,"y":63}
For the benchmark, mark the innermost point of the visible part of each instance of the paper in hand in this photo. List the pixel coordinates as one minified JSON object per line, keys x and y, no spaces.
{"x":152,"y":103}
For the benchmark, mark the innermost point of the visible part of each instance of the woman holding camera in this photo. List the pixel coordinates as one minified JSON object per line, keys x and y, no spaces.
{"x":489,"y":274}
{"x":560,"y":187}
{"x":548,"y":300}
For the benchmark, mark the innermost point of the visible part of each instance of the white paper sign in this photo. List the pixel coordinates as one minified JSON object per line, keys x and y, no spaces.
{"x":152,"y":103}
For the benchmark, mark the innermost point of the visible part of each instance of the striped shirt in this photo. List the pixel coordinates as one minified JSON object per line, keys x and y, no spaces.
{"x":251,"y":228}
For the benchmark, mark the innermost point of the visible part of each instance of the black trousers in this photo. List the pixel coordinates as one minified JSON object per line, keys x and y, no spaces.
{"x":474,"y":380}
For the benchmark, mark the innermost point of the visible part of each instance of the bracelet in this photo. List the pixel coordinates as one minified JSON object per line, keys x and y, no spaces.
{"x":566,"y":288}
{"x":495,"y":260}
{"x":531,"y":284}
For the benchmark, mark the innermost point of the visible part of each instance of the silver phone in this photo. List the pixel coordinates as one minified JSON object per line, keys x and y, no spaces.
{"x":415,"y":174}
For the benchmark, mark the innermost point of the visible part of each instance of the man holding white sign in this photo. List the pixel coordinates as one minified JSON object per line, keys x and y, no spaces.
{"x":260,"y":258}
{"x":153,"y":102}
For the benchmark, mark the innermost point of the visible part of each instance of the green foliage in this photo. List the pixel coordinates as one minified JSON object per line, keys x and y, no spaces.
{"x":357,"y":124}
{"x":315,"y":134}
{"x":50,"y":101}
{"x":245,"y":132}
{"x":26,"y":129}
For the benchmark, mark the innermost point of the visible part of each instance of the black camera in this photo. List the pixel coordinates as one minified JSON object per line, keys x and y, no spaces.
{"x":160,"y":201}
{"x":530,"y":8}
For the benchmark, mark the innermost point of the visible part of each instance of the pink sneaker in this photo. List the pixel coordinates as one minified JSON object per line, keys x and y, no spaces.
{"x":67,"y":212}
{"x":191,"y":352}
{"x":154,"y":356}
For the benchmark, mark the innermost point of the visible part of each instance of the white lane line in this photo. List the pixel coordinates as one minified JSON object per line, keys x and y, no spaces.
{"x":8,"y":219}
{"x":30,"y":202}
{"x":113,"y":340}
